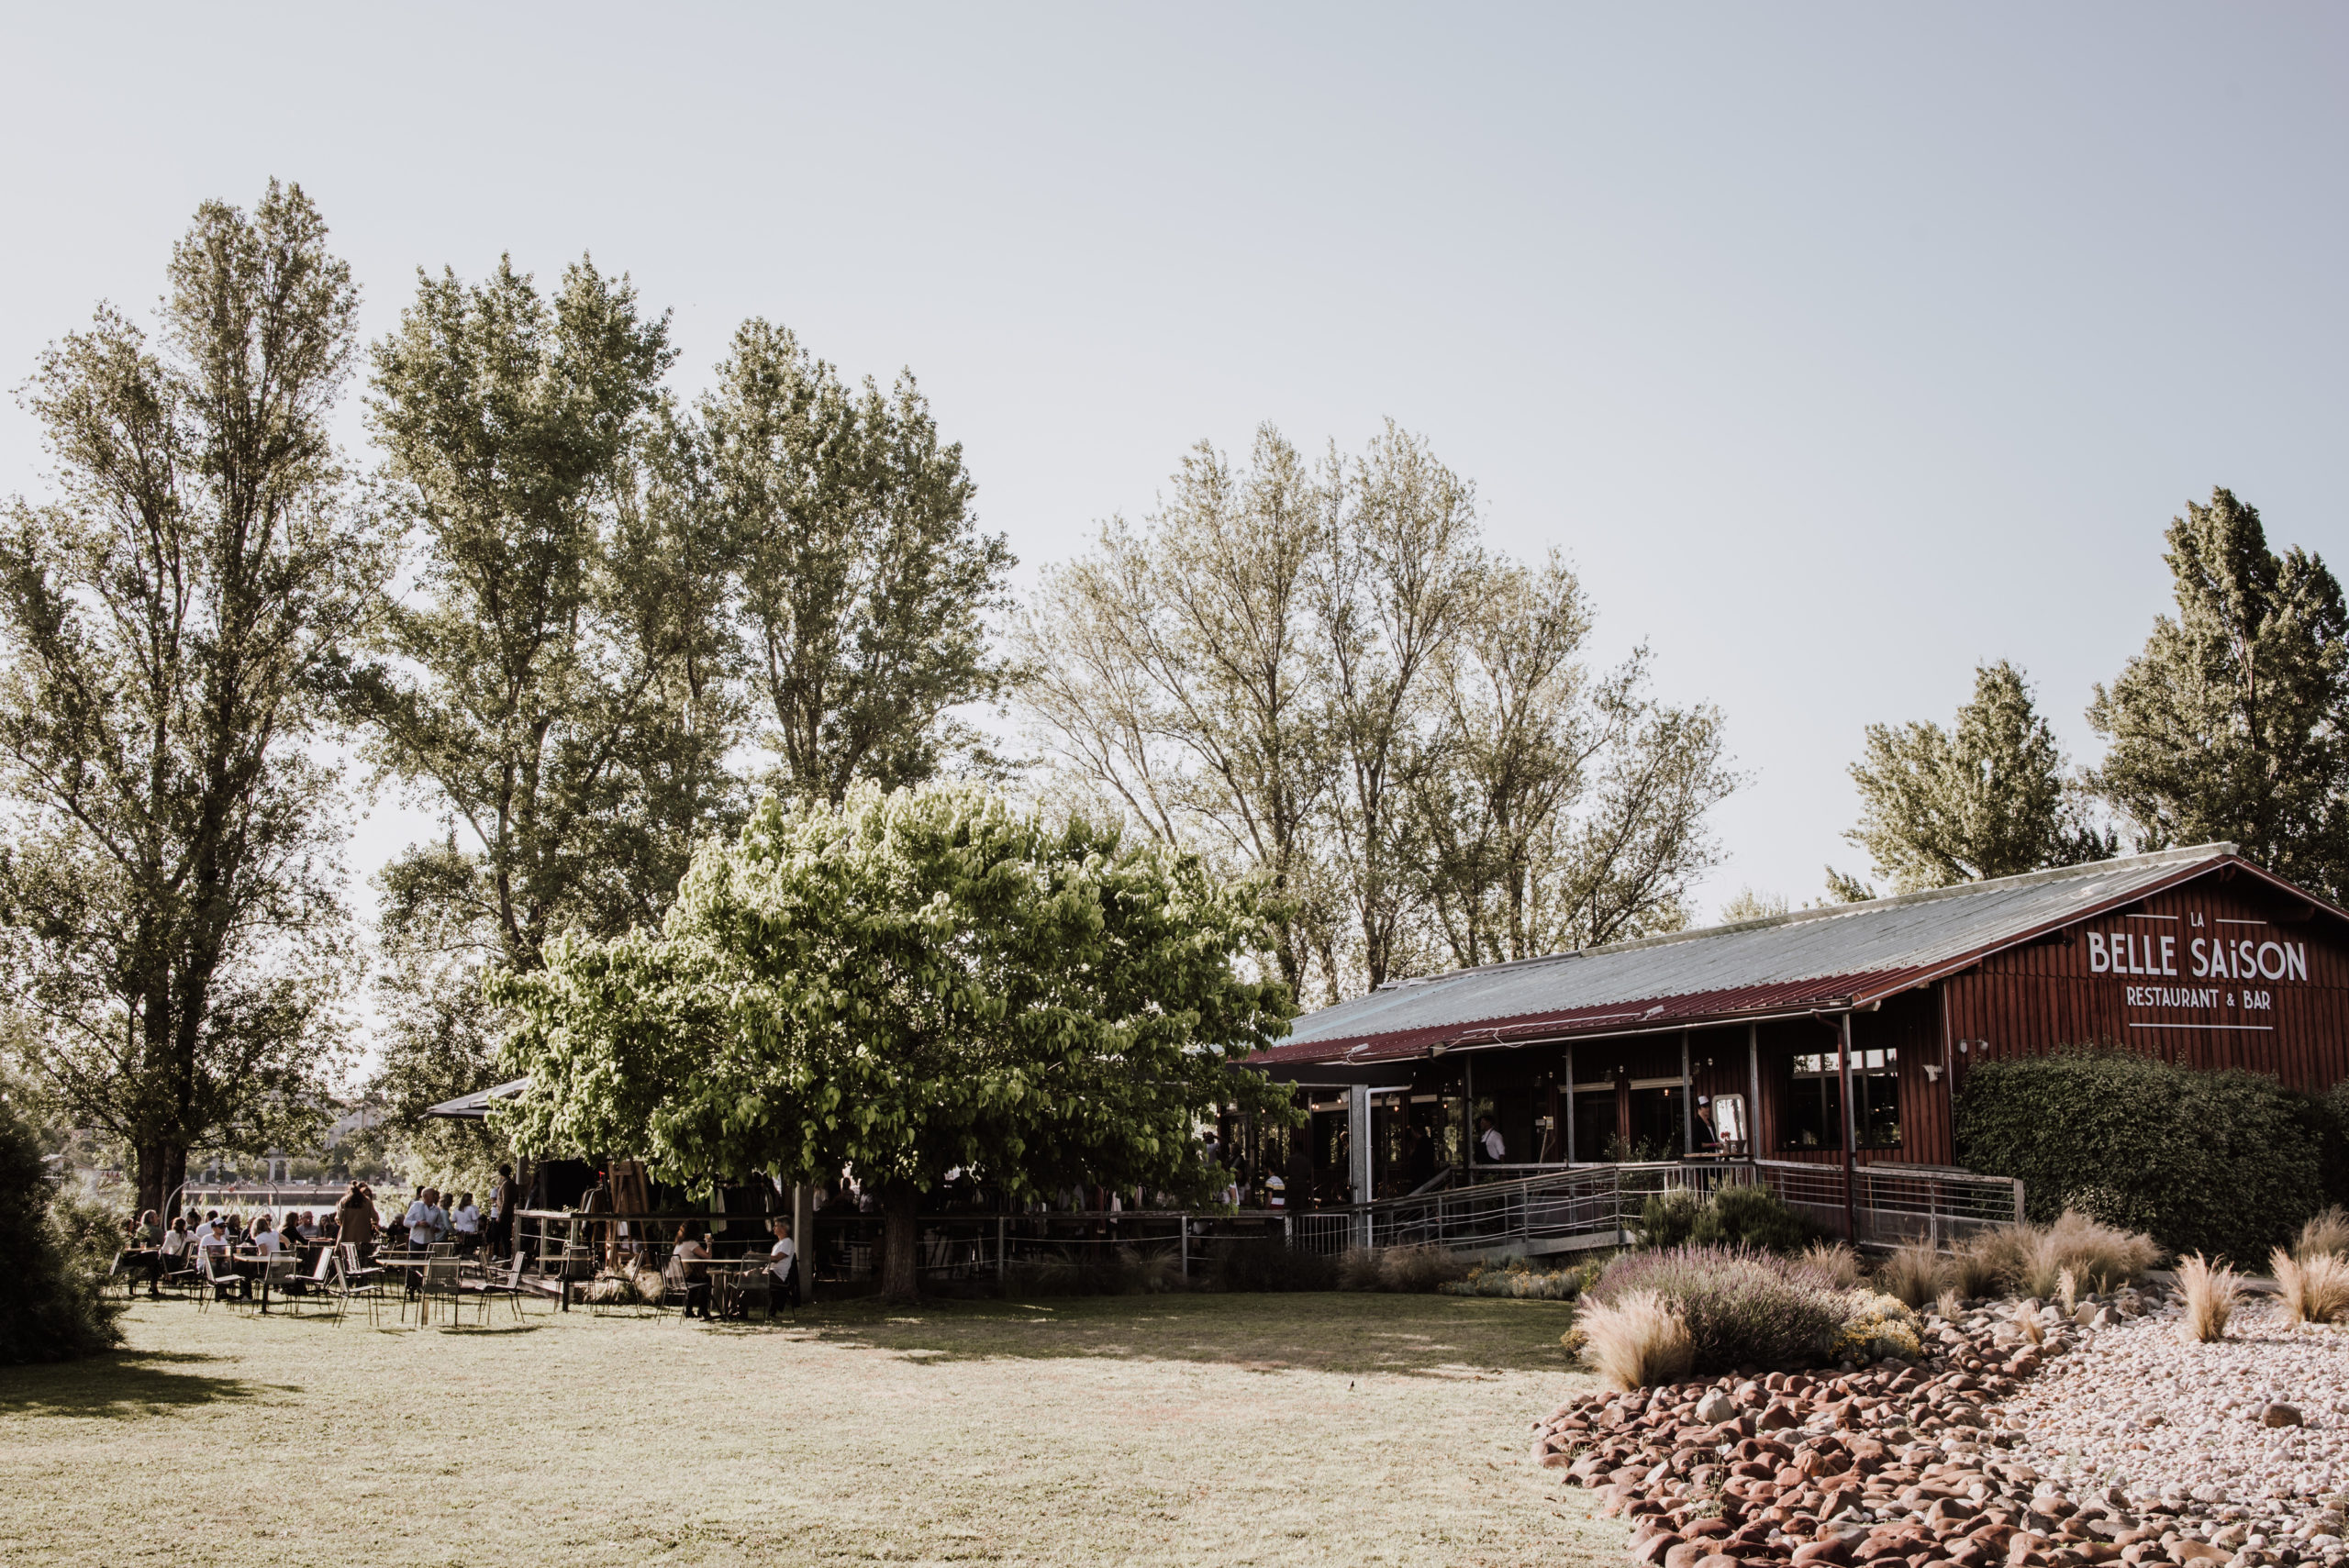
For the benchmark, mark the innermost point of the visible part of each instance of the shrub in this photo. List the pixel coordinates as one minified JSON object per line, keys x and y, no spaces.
{"x":1415,"y":1269}
{"x":1875,"y":1327}
{"x":1669,"y":1219}
{"x":1752,"y":1216}
{"x":2326,"y":1233}
{"x":2211,"y":1297}
{"x":55,"y":1306}
{"x":1272,"y":1265}
{"x":1635,"y":1340}
{"x":1739,"y":1306}
{"x":1912,"y":1275}
{"x":2315,"y":1290}
{"x":1419,"y":1268}
{"x":1519,"y":1279}
{"x":2212,"y":1161}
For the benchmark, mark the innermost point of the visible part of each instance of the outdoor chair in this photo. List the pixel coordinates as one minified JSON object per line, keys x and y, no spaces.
{"x":502,"y":1281}
{"x":216,"y":1284}
{"x":182,"y":1273}
{"x":442,"y":1282}
{"x":276,"y":1274}
{"x":351,"y":1278}
{"x":317,"y":1282}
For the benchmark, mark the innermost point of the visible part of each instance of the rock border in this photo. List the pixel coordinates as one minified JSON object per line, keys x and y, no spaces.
{"x":1905,"y":1463}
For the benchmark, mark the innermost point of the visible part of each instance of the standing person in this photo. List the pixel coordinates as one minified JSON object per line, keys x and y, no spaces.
{"x":783,"y":1262}
{"x":464,"y":1225}
{"x":425,"y":1219}
{"x":1489,"y":1147}
{"x":504,"y":1199}
{"x":354,"y":1219}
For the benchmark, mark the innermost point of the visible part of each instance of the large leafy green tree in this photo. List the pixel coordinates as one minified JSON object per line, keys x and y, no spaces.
{"x":904,"y":984}
{"x":169,"y":890}
{"x":863,"y":580}
{"x":557,"y":685}
{"x":1985,"y":797}
{"x":2233,"y":723}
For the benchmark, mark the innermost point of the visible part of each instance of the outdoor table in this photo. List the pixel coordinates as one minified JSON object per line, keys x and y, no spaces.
{"x":731,"y":1285}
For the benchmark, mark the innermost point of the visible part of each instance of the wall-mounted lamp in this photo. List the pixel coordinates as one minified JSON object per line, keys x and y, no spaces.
{"x":1932,"y":1073}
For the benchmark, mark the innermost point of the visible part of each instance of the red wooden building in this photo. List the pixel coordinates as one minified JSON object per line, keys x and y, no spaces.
{"x":1794,"y":1036}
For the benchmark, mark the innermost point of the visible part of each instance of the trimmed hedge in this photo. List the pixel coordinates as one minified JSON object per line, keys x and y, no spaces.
{"x":2222,"y":1162}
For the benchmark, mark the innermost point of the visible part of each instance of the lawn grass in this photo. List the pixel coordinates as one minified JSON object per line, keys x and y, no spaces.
{"x":1210,"y":1429}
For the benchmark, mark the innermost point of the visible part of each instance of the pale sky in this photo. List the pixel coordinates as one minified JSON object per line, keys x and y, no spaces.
{"x":1840,"y":348}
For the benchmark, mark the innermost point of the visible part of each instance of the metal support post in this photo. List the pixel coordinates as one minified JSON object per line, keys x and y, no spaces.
{"x":1753,"y":1087}
{"x":1850,"y":1164}
{"x":1688,"y":1102}
{"x":1358,"y":1153}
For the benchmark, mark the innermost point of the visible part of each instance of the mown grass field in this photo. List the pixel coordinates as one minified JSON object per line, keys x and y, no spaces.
{"x":1210,"y":1429}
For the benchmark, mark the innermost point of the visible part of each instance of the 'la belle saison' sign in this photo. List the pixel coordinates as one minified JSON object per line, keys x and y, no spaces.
{"x":2207,"y":950}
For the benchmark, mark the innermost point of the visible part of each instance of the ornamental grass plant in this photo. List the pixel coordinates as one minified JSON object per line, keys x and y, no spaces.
{"x":1635,"y":1340}
{"x":2315,"y":1289}
{"x":1913,"y":1274}
{"x":2326,"y":1233}
{"x":2212,"y":1292}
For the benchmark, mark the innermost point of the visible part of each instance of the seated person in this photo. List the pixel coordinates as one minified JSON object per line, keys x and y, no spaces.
{"x":688,"y":1269}
{"x":265,"y":1237}
{"x":782,"y":1263}
{"x":308,"y":1227}
{"x":214,"y":1246}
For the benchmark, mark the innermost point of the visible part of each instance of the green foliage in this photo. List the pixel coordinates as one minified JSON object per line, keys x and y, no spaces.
{"x":1669,"y":1219}
{"x":169,"y":896}
{"x":57,"y":1252}
{"x":1752,"y":1216}
{"x":1748,"y":1216}
{"x":2223,"y":1163}
{"x":2233,"y":723}
{"x":1984,"y":798}
{"x":907,"y":983}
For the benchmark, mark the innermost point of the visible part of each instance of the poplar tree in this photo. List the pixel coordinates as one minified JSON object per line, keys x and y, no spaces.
{"x":1987,"y":797}
{"x":2233,"y":722}
{"x":169,"y":625}
{"x":556,"y":686}
{"x":863,"y":579}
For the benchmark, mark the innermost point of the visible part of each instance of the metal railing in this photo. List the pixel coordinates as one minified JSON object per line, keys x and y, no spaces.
{"x":1565,"y":1207}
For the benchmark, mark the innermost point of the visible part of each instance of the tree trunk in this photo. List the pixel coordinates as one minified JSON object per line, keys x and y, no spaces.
{"x":161,"y":1170}
{"x":900,"y":1235}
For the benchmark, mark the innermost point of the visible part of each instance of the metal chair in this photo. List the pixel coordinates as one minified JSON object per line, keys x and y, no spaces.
{"x":506,"y":1282}
{"x":352,"y":1278}
{"x":442,"y":1282}
{"x":276,"y":1272}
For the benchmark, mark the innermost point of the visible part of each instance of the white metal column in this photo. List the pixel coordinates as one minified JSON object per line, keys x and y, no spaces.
{"x":1358,"y":1150}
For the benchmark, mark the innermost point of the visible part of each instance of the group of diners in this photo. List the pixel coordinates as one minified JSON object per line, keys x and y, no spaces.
{"x":689,"y":1270}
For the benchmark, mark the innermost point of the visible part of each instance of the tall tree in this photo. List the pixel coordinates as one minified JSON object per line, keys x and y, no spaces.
{"x":1399,"y":574}
{"x":865,"y":580}
{"x":905,"y":984}
{"x":1567,"y":806}
{"x":1179,"y":674}
{"x":168,"y":893}
{"x":2233,"y":723}
{"x":557,"y":687}
{"x":1987,"y":797}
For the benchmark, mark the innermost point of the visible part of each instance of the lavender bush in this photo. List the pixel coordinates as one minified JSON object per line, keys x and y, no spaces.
{"x":1743,"y":1307}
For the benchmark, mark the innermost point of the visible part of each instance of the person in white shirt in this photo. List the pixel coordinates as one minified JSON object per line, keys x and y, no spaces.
{"x":213,"y":1243}
{"x":783,"y":1262}
{"x":265,"y":1237}
{"x":425,"y":1218}
{"x":688,"y":1269}
{"x":464,"y":1225}
{"x":1488,"y":1138}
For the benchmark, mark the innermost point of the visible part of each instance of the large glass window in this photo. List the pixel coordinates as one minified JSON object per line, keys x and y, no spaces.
{"x":1815,"y":1100}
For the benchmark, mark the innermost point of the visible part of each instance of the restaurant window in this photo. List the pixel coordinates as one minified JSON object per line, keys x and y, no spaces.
{"x":1815,"y":1100}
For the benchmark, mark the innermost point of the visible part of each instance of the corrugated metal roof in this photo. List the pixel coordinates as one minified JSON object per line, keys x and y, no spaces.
{"x":1811,"y":957}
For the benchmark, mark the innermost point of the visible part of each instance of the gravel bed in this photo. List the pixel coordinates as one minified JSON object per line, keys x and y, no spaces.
{"x":2184,"y":1429}
{"x":2025,"y":1437}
